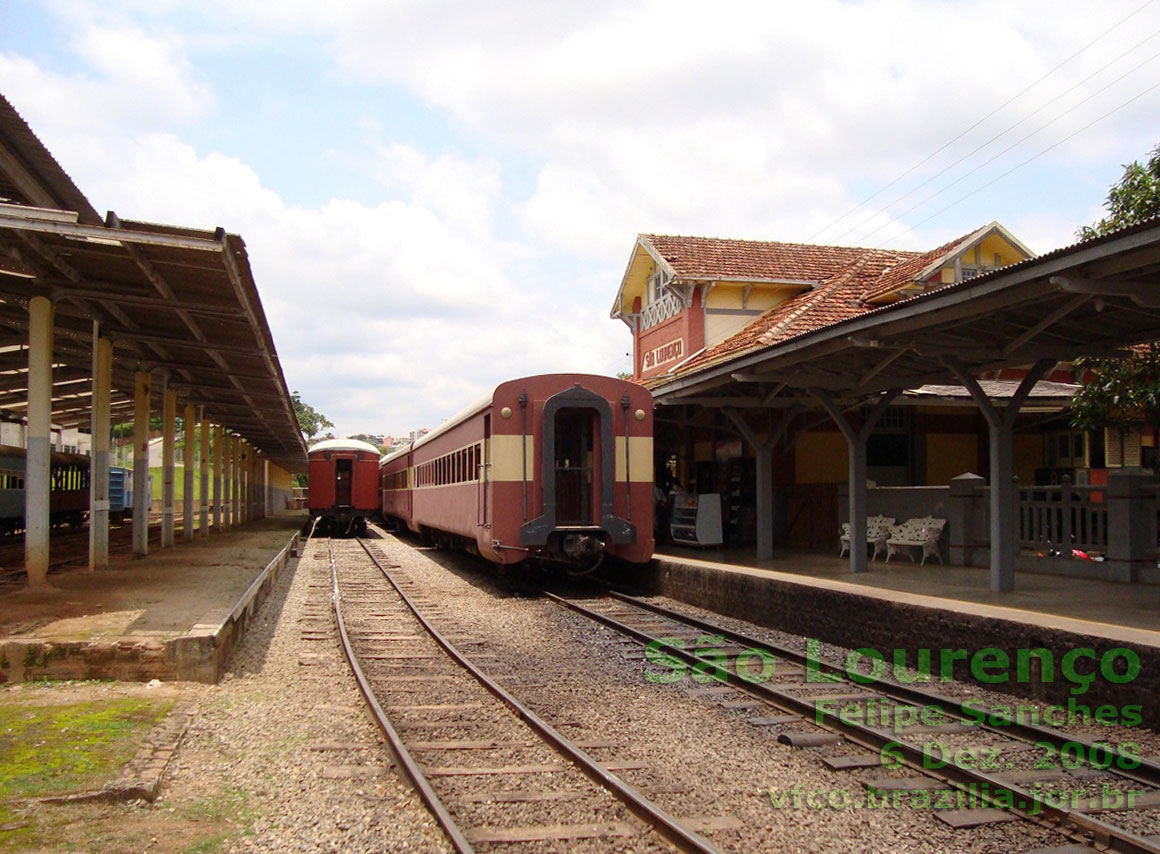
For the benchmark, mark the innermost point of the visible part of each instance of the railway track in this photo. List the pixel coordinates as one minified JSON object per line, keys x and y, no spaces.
{"x":999,"y":771}
{"x":490,"y":770}
{"x":69,"y":547}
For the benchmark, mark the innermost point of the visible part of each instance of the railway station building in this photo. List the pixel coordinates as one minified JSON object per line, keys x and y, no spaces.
{"x":802,"y":387}
{"x":105,"y":320}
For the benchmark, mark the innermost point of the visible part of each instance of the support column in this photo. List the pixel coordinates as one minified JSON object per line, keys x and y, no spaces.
{"x":141,"y":492}
{"x":244,"y":483}
{"x":203,"y":472}
{"x":265,"y":488}
{"x":763,"y":461}
{"x":38,"y":471}
{"x":227,"y":482}
{"x":168,"y":442}
{"x":99,"y":468}
{"x":1004,"y":493}
{"x":236,"y":481}
{"x":190,"y":424}
{"x":856,"y":461}
{"x":219,"y":436}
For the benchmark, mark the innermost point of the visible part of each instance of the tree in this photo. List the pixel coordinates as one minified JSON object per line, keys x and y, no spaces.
{"x":1123,"y":391}
{"x":1134,"y":198}
{"x":1119,"y":392}
{"x":309,"y":419}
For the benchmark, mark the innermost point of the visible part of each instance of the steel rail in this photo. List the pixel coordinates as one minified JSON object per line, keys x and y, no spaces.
{"x":1024,"y":802}
{"x":403,"y":757}
{"x":1147,"y":773}
{"x":664,"y":824}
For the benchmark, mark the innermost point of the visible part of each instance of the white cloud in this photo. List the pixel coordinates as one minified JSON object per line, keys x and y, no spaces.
{"x":747,"y":119}
{"x":139,"y":82}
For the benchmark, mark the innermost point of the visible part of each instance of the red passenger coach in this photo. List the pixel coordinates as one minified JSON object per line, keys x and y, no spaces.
{"x":557,"y":467}
{"x":343,"y":490}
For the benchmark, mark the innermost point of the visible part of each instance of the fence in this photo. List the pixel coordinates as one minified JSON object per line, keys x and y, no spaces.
{"x":1059,"y":518}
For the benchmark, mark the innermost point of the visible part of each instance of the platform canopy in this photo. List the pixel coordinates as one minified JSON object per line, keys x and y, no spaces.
{"x":177,"y":301}
{"x":1090,"y":299}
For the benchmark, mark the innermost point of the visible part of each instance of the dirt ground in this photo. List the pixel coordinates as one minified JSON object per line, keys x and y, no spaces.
{"x":162,"y":595}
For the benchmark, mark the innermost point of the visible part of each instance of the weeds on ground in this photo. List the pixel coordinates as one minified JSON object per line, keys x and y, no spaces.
{"x":50,"y":749}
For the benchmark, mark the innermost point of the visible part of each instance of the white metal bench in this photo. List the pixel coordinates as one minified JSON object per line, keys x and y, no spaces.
{"x":921,"y":533}
{"x":876,"y":528}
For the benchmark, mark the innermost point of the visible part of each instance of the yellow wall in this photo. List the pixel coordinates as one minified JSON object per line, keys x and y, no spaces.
{"x":718,"y":327}
{"x":950,"y":454}
{"x":1028,"y":457}
{"x":280,"y":478}
{"x":731,"y":295}
{"x":821,"y":458}
{"x":992,"y":244}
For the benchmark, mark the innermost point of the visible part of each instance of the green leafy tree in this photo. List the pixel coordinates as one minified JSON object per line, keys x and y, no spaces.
{"x":1123,"y":392}
{"x":309,"y":419}
{"x":1119,"y":392}
{"x":1134,"y":198}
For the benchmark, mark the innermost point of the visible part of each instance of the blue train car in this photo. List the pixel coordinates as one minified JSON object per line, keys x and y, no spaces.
{"x":120,"y":493}
{"x":68,"y":489}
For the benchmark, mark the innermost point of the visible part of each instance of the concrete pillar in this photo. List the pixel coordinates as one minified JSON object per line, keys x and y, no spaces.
{"x":763,"y":460}
{"x":38,"y":462}
{"x":856,"y":466}
{"x":203,"y":472}
{"x":168,"y":448}
{"x":856,"y":462}
{"x":1004,"y":505}
{"x":142,"y":389}
{"x":265,"y":488}
{"x":243,"y":482}
{"x":1131,"y":498}
{"x":99,"y":468}
{"x":967,"y":542}
{"x":1004,"y":492}
{"x":189,"y":418}
{"x":219,"y":436}
{"x":227,"y":481}
{"x":236,"y":481}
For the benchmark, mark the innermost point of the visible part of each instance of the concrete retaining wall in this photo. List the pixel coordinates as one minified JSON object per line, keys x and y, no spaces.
{"x":199,"y":656}
{"x":836,"y":614}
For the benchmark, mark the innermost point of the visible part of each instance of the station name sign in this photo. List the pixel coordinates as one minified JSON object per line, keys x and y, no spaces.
{"x":659,"y":356}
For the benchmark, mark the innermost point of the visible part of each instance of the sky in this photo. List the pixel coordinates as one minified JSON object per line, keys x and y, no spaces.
{"x":437,"y":196}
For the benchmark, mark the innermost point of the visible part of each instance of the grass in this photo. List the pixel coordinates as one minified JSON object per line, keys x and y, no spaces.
{"x":52,"y":749}
{"x":157,"y":474}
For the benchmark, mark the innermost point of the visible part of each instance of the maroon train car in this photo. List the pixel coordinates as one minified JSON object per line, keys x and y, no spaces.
{"x":343,"y":490}
{"x":557,"y":467}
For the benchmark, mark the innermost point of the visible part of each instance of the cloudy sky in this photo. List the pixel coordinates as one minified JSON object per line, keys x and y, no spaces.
{"x":438,"y":195}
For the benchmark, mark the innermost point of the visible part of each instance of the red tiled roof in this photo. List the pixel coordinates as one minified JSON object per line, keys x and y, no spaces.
{"x":718,"y":258}
{"x":849,"y":278}
{"x":838,"y":298}
{"x":905,"y":272}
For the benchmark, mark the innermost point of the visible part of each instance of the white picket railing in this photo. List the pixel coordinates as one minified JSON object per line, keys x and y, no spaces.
{"x":667,"y":306}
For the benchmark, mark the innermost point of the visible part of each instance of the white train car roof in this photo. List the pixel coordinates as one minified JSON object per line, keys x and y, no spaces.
{"x":343,"y":445}
{"x":456,"y":419}
{"x":394,"y":455}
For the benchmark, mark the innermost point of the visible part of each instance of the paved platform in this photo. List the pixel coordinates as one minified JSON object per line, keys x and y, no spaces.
{"x":901,"y":608}
{"x":1037,"y":598}
{"x":174,"y":614}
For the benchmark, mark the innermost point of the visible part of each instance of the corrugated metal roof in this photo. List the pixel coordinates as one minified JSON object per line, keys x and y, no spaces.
{"x":175,"y":300}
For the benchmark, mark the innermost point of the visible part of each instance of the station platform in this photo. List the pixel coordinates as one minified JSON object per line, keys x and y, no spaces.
{"x":1036,"y":597}
{"x":901,"y":607}
{"x":173,"y":615}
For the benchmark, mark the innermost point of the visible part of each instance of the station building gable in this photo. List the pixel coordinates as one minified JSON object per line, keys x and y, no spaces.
{"x":691,"y":301}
